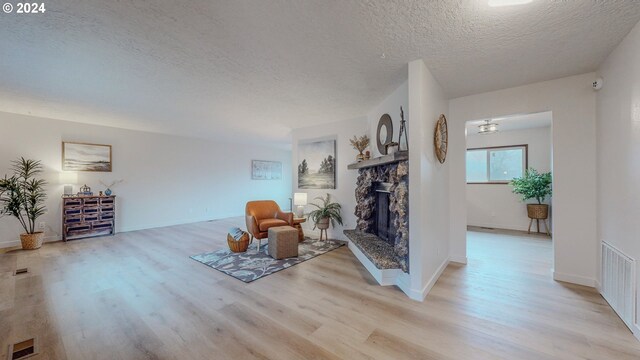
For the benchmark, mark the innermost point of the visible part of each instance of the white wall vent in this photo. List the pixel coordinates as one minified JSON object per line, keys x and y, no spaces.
{"x":618,"y":282}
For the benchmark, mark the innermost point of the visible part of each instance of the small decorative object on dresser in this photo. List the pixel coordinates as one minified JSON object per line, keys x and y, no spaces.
{"x":88,"y":216}
{"x":237,"y":240}
{"x":85,"y":191}
{"x":108,"y":187}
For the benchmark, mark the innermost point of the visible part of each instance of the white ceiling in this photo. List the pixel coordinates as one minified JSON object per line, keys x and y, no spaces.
{"x":514,"y":122}
{"x":253,"y":70}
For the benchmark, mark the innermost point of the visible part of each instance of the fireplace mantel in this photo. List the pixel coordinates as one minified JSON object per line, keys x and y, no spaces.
{"x":382,"y":160}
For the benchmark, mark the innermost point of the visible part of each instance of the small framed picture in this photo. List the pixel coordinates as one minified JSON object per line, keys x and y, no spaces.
{"x":266,"y":170}
{"x":86,"y":157}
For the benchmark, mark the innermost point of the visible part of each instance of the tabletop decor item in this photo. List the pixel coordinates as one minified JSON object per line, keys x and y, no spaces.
{"x":108,"y":187}
{"x":360,"y":143}
{"x":85,"y":191}
{"x":384,"y":134}
{"x":403,"y":131}
{"x":86,"y":157}
{"x":441,"y":138}
{"x":23,"y":196}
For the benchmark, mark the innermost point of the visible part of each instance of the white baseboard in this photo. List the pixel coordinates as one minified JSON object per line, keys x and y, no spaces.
{"x":432,"y":281}
{"x":459,"y":259}
{"x":574,"y":279}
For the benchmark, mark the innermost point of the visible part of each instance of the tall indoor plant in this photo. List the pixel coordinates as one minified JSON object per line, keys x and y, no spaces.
{"x":22,"y":196}
{"x":534,"y":185}
{"x":325,"y":213}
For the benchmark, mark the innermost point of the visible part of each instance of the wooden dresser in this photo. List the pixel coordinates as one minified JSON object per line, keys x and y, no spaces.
{"x":87,"y":216}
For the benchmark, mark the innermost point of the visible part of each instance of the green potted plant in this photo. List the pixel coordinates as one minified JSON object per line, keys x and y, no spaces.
{"x":23,"y":196}
{"x":534,"y":185}
{"x":325,"y":213}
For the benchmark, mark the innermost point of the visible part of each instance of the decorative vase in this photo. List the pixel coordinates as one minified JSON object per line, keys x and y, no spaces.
{"x":367,"y":155}
{"x":360,"y":157}
{"x":107,"y":192}
{"x":32,"y":241}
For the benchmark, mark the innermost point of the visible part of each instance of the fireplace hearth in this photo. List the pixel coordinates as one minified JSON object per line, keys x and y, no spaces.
{"x":382,"y":211}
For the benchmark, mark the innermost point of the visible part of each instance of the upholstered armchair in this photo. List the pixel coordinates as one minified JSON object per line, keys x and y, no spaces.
{"x":264,"y":214}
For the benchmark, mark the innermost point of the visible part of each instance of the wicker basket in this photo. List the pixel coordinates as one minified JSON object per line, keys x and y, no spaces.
{"x":538,"y":211}
{"x":238,"y":245}
{"x":32,"y":241}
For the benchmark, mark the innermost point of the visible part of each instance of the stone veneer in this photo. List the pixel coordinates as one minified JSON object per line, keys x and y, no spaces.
{"x":397,"y":175}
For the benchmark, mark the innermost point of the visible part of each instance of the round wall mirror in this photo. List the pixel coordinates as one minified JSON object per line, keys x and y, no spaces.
{"x":385,"y":133}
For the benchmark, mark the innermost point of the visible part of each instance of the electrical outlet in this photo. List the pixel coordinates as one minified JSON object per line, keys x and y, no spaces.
{"x":42,"y":225}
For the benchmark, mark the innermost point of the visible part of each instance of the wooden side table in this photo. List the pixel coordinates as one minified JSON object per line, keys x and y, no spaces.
{"x":296,"y":224}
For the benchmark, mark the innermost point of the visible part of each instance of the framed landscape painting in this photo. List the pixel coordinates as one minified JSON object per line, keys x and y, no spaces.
{"x":86,"y":157}
{"x":266,"y":170}
{"x":316,"y":165}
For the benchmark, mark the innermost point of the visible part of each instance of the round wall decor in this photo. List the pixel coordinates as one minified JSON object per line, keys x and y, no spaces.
{"x":441,"y":138}
{"x":385,"y":133}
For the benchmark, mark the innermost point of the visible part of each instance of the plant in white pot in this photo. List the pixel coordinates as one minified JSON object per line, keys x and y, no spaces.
{"x":22,"y":196}
{"x":534,"y":185}
{"x":325,"y":213}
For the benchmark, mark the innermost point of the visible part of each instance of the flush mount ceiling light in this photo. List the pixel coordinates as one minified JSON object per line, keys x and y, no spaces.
{"x":497,"y":3}
{"x":488,"y":127}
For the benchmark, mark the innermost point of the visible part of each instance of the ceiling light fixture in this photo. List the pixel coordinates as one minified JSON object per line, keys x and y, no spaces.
{"x":488,"y":127}
{"x":497,"y":3}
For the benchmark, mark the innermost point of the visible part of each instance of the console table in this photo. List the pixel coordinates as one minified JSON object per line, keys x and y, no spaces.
{"x":88,"y":216}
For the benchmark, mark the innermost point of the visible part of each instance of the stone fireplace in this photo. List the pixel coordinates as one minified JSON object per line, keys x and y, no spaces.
{"x":382,"y":211}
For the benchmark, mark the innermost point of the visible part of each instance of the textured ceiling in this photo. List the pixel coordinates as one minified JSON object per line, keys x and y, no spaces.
{"x":252,"y":70}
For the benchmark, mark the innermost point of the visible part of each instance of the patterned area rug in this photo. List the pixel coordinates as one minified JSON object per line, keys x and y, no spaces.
{"x":252,"y":265}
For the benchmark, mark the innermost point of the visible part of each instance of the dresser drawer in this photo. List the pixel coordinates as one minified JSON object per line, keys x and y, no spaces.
{"x":106,"y":207}
{"x":91,"y":210}
{"x":72,"y":202}
{"x":73,"y":210}
{"x":90,"y":218}
{"x":106,"y":215}
{"x":102,"y":225}
{"x":107,"y":201}
{"x":77,"y":229}
{"x":73,"y":219}
{"x":91,"y":202}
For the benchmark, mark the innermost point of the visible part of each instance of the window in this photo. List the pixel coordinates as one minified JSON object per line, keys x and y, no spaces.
{"x":496,"y":165}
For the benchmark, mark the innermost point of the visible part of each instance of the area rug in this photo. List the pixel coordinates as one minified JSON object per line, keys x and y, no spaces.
{"x":251,"y":265}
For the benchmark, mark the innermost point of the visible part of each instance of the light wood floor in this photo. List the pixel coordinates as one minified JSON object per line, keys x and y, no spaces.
{"x":138,"y":296}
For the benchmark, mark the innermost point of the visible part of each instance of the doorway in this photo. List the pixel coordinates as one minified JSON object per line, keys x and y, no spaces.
{"x":500,"y":231}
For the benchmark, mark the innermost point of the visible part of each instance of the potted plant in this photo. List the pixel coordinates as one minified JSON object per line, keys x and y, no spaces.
{"x":325,"y":213}
{"x":534,"y":185}
{"x":360,"y":144}
{"x":23,"y":196}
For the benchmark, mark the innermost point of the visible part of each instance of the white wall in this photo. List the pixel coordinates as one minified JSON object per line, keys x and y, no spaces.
{"x":390,"y":105}
{"x":495,"y":205}
{"x":572,"y":102}
{"x":618,"y":136}
{"x":344,"y":193}
{"x":428,"y":185}
{"x":167,"y":179}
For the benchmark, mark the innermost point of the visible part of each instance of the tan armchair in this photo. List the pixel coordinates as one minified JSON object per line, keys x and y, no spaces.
{"x":264,"y":214}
